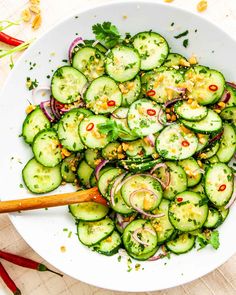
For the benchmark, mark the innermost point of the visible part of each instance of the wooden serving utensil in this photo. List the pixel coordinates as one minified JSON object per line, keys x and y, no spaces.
{"x":89,"y":195}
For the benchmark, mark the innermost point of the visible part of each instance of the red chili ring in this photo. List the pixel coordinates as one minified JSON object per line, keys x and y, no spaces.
{"x":111,"y":103}
{"x":185,"y":143}
{"x":213,"y":87}
{"x":89,"y":126}
{"x":151,"y":92}
{"x":179,"y":199}
{"x":151,"y":112}
{"x":222,"y":188}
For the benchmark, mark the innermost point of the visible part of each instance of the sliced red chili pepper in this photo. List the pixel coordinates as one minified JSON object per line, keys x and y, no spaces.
{"x":90,"y":127}
{"x":59,"y":105}
{"x":222,"y":188}
{"x":8,"y":281}
{"x":151,"y":92}
{"x":213,"y":87}
{"x":179,"y":199}
{"x":10,"y":40}
{"x":111,"y":103}
{"x":151,"y":112}
{"x":185,"y":143}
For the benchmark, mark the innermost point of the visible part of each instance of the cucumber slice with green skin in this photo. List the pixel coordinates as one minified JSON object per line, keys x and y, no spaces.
{"x":202,"y":141}
{"x":232,"y":101}
{"x":122,"y":63}
{"x":103,"y":96}
{"x":214,"y":219}
{"x":208,"y":85}
{"x":211,"y":123}
{"x":40,"y":179}
{"x":92,"y":232}
{"x":68,"y":168}
{"x":209,"y":151}
{"x":175,"y":60}
{"x":227,"y":144}
{"x":139,"y":148}
{"x":152,"y":48}
{"x":199,"y":188}
{"x":181,"y":244}
{"x":160,"y":83}
{"x":89,"y":132}
{"x":229,"y":114}
{"x":90,"y":43}
{"x":143,"y":117}
{"x":174,"y":144}
{"x":142,"y":199}
{"x":141,"y":167}
{"x":90,"y":62}
{"x":106,"y":178}
{"x":34,"y":122}
{"x":113,"y":151}
{"x":120,"y":117}
{"x":192,"y":170}
{"x":143,"y":257}
{"x":213,"y":159}
{"x":93,"y":157}
{"x":187,"y":212}
{"x":130,"y":91}
{"x":68,"y":84}
{"x":110,"y":245}
{"x":128,"y":162}
{"x":88,"y":211}
{"x":46,"y":148}
{"x":178,"y":179}
{"x":145,"y":232}
{"x":190,"y":111}
{"x":84,"y":173}
{"x":224,"y":213}
{"x":68,"y":129}
{"x":162,"y":225}
{"x":219,"y":184}
{"x":92,"y":180}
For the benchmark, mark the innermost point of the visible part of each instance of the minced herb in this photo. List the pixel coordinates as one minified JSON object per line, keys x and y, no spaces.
{"x":181,"y":35}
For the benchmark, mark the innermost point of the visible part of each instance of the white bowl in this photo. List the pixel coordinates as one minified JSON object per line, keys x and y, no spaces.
{"x":43,"y":230}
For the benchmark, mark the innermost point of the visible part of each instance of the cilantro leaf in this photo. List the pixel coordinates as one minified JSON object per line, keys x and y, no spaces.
{"x":214,"y":240}
{"x":211,"y":238}
{"x":112,"y":129}
{"x":107,"y":34}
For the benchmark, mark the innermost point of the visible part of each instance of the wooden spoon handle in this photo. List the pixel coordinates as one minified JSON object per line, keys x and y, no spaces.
{"x":91,"y":194}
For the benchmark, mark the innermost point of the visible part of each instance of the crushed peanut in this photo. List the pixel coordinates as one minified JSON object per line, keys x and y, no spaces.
{"x":34,"y":1}
{"x":217,"y":111}
{"x":184,"y":63}
{"x":34,"y":9}
{"x":200,"y":163}
{"x":65,"y":152}
{"x":202,"y":6}
{"x":168,"y":1}
{"x":221,"y":104}
{"x":125,"y":17}
{"x":193,"y":60}
{"x":173,"y":118}
{"x":30,"y":108}
{"x":37,"y":22}
{"x":63,"y":249}
{"x":26,"y":15}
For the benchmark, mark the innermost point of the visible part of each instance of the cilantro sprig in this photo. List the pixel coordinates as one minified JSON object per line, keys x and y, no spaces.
{"x":112,"y":129}
{"x":107,"y":34}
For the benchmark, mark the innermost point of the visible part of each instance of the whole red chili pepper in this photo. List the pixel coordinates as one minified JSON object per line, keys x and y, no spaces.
{"x":8,"y":281}
{"x":10,"y":40}
{"x":25,"y":262}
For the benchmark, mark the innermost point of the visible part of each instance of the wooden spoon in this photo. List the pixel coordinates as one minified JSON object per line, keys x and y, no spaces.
{"x":89,"y":195}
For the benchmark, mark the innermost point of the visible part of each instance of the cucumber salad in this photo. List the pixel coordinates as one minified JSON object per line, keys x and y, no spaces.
{"x":154,"y":132}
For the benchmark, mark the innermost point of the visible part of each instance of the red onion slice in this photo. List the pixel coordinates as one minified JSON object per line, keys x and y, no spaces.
{"x":170,"y":102}
{"x":118,"y":117}
{"x":159,"y":165}
{"x":78,"y":40}
{"x":233,"y":198}
{"x":35,"y":91}
{"x":45,"y":107}
{"x":150,"y":139}
{"x":226,"y":96}
{"x":137,"y":239}
{"x":54,"y":108}
{"x":140,"y":210}
{"x":115,"y":184}
{"x":217,"y":137}
{"x":233,"y":85}
{"x":99,"y":167}
{"x":178,"y":89}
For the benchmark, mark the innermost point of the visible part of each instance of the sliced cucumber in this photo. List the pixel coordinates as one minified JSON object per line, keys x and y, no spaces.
{"x":143,"y":117}
{"x":40,"y":179}
{"x":190,"y":111}
{"x":175,"y":60}
{"x":145,"y":232}
{"x":106,"y":178}
{"x":88,"y":211}
{"x":110,"y":245}
{"x":93,"y":157}
{"x":210,"y":151}
{"x":141,"y":167}
{"x":227,"y":144}
{"x":84,"y":173}
{"x":192,"y":170}
{"x":90,"y":134}
{"x":162,"y":225}
{"x":46,"y":148}
{"x":207,"y":85}
{"x":122,"y":63}
{"x":162,"y":84}
{"x":92,"y":232}
{"x":113,"y":151}
{"x":182,"y":244}
{"x":68,"y":129}
{"x":130,"y":91}
{"x":224,"y":213}
{"x":229,"y":114}
{"x":143,"y":257}
{"x":174,"y":143}
{"x":68,"y":84}
{"x":153,"y":49}
{"x":232,"y":92}
{"x":199,"y":188}
{"x":187,"y":212}
{"x":211,"y":123}
{"x":103,"y":96}
{"x":141,"y":188}
{"x":68,"y":168}
{"x":34,"y":122}
{"x":90,"y":62}
{"x":219,"y":184}
{"x":202,"y":141}
{"x":214,"y":219}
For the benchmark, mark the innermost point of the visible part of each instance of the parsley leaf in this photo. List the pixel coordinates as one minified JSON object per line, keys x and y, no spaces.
{"x":107,"y":34}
